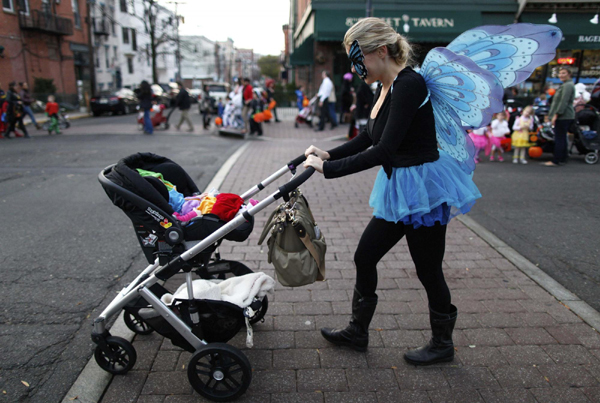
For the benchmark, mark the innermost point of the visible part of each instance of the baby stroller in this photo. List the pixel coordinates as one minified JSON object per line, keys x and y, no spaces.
{"x":157,"y":117}
{"x":307,"y":113}
{"x":587,"y":133}
{"x":216,"y":370}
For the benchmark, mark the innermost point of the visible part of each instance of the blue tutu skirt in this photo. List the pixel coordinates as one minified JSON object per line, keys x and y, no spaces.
{"x":424,"y":194}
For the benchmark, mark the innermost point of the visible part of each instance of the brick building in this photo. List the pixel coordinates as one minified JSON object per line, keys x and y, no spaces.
{"x":46,"y":39}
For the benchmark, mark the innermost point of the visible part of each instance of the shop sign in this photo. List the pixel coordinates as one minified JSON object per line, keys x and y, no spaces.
{"x":589,"y":39}
{"x":416,"y":22}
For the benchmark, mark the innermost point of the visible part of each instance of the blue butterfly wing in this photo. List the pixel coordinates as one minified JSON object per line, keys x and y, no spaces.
{"x":463,"y":96}
{"x":511,"y":52}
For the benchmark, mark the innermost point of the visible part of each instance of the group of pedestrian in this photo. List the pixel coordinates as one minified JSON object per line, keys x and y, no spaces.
{"x":147,"y":100}
{"x":561,"y":116}
{"x":15,"y":104}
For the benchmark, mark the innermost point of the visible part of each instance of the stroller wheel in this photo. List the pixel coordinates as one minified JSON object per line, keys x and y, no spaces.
{"x":120,"y":359}
{"x":136,"y":324}
{"x":261,"y":312}
{"x":296,"y":125}
{"x":219,"y":372}
{"x":591,"y":158}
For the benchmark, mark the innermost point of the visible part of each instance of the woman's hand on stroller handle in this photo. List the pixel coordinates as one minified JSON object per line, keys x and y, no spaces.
{"x":314,"y":162}
{"x":317,"y":152}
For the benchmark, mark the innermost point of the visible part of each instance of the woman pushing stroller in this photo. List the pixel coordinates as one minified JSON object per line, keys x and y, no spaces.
{"x":404,"y":144}
{"x":419,"y":187}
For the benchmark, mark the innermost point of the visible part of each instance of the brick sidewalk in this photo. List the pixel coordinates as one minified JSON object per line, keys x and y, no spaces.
{"x":514,"y":341}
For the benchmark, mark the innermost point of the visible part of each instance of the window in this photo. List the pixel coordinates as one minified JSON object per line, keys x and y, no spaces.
{"x":112,"y":24}
{"x":125,"y":35}
{"x":123,"y":6}
{"x":130,"y":64}
{"x":23,"y":6}
{"x":76,"y":15}
{"x":7,"y":5}
{"x":133,"y":39}
{"x":106,"y":52}
{"x":97,"y":57}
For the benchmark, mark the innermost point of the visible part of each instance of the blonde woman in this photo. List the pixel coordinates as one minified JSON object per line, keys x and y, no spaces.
{"x":415,"y":190}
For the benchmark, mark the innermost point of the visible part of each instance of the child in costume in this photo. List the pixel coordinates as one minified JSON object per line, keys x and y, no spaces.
{"x":520,"y":137}
{"x":480,"y":140}
{"x":52,"y":109}
{"x":496,"y":134}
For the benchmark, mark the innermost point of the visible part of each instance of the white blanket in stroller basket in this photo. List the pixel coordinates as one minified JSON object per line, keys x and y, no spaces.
{"x":240,"y":291}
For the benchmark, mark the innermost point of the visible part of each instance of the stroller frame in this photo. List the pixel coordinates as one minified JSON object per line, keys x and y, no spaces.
{"x":121,"y":354}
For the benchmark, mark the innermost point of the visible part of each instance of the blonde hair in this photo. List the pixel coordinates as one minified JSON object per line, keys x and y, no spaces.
{"x":373,"y":33}
{"x":528,"y":109}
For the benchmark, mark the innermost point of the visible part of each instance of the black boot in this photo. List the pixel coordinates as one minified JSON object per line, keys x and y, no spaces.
{"x":440,"y":348}
{"x":356,"y":335}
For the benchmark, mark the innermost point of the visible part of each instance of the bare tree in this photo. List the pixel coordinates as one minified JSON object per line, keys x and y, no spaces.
{"x":161,"y":25}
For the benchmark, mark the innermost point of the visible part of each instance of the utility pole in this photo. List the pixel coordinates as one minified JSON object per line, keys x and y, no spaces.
{"x":178,"y":55}
{"x":369,"y":9}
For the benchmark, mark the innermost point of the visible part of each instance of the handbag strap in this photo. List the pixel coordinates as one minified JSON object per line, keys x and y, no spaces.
{"x":303,"y":235}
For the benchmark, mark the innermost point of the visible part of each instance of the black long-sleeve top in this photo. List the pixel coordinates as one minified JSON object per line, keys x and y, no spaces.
{"x":402,"y":134}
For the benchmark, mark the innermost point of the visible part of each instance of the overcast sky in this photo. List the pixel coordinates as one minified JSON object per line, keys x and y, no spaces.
{"x":254,"y":24}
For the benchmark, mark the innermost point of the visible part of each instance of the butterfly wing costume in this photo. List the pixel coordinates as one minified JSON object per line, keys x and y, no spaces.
{"x":466,"y":79}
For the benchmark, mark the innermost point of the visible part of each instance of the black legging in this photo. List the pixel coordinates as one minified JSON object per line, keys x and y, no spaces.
{"x":426,"y":246}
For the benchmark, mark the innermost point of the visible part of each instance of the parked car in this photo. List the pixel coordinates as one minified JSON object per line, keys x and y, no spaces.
{"x":171,"y":90}
{"x":216,"y":91}
{"x":194,"y":94}
{"x":161,"y":97}
{"x":122,"y":101}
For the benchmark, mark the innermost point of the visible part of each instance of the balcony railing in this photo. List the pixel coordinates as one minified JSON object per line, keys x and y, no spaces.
{"x":46,"y":22}
{"x":100,"y":27}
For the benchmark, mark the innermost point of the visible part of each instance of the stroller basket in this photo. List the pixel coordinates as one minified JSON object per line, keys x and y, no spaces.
{"x":216,"y":370}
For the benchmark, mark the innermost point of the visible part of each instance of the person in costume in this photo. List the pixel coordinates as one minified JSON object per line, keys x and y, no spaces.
{"x":499,"y":131}
{"x":520,"y":137}
{"x":419,"y":187}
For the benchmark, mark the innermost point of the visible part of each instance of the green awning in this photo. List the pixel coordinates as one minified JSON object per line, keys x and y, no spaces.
{"x":578,"y":31}
{"x":304,"y":54}
{"x":418,"y":26}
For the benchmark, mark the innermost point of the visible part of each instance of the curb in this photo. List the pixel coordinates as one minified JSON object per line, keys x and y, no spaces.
{"x":588,"y":314}
{"x":44,"y":119}
{"x":93,"y":381}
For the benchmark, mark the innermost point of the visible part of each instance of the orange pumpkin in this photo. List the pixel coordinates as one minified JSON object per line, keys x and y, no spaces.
{"x":533,"y":139}
{"x":272,"y":104}
{"x":218,"y":121}
{"x":551,"y":91}
{"x":535,"y":152}
{"x":268,"y":115}
{"x":305,"y":102}
{"x":259,"y":117}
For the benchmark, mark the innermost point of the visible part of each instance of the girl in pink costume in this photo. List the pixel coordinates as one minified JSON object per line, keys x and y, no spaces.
{"x":499,"y":131}
{"x":480,"y":141}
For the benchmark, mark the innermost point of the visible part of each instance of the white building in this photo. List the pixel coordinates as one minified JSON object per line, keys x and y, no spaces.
{"x":121,"y":43}
{"x":198,"y":60}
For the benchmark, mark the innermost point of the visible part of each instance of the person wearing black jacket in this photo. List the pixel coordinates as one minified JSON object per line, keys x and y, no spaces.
{"x":184,"y":103}
{"x":27,"y":100}
{"x":416,"y":188}
{"x":146,"y":97}
{"x":14,"y":113}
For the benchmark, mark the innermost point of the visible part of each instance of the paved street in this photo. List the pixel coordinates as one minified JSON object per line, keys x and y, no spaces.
{"x":65,"y":249}
{"x":549,"y":215}
{"x":515,"y":342}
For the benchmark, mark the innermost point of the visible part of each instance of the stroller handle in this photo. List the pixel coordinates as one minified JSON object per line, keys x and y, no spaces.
{"x":293,"y":164}
{"x":294,"y":183}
